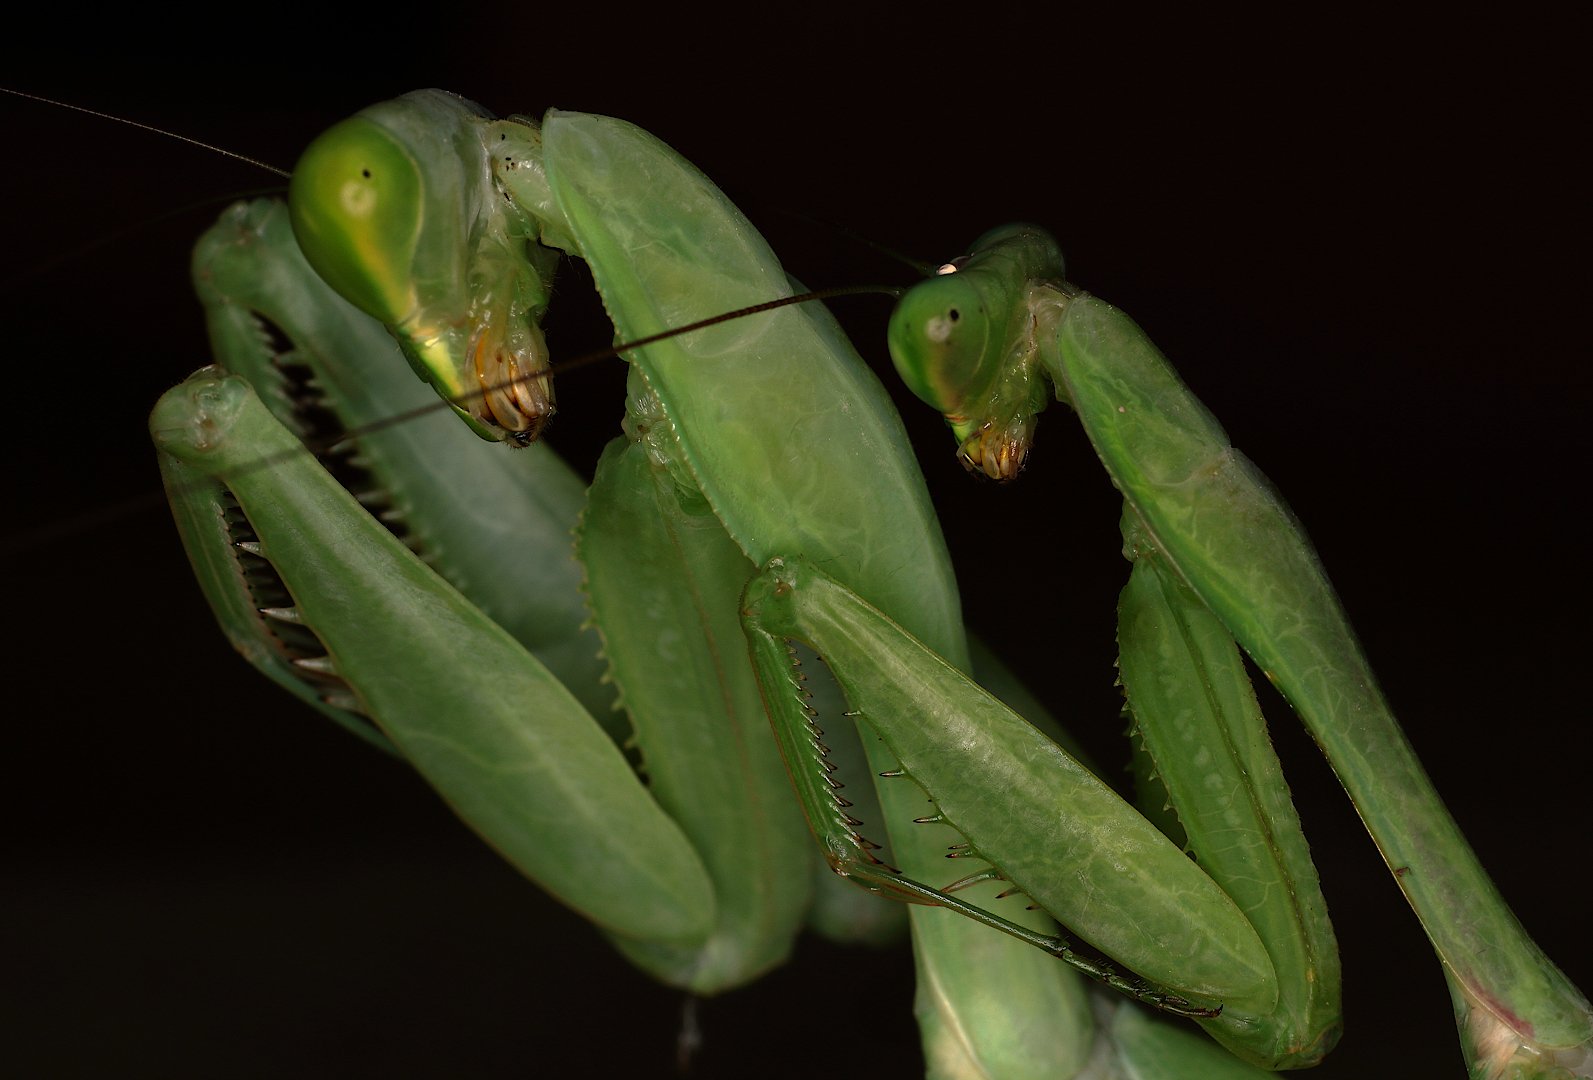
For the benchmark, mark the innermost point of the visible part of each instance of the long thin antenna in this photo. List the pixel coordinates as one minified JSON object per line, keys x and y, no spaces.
{"x":318,"y":447}
{"x":31,"y":539}
{"x":152,"y":128}
{"x":918,"y":266}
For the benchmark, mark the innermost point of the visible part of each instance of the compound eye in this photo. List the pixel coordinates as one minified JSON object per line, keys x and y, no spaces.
{"x":355,"y":203}
{"x":939,"y":341}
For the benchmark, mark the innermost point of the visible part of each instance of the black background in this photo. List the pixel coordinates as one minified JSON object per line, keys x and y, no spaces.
{"x":1363,"y":245}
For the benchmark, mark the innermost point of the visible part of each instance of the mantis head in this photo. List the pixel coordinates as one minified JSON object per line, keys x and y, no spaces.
{"x":397,"y":209}
{"x":964,"y":341}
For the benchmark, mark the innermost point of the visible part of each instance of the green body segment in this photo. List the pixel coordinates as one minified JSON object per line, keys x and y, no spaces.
{"x":788,"y":435}
{"x":1213,"y":535}
{"x":1200,"y":501}
{"x":199,"y":506}
{"x":510,"y":749}
{"x":1090,"y":860}
{"x":664,"y":581}
{"x":1155,"y":1051}
{"x":458,"y":502}
{"x":1045,"y":821}
{"x":1198,"y":721}
{"x":793,"y":445}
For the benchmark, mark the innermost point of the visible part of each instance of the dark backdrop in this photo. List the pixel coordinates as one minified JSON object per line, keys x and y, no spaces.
{"x":1362,"y":244}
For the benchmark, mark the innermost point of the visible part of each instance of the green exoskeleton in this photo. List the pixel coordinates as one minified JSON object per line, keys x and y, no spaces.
{"x":750,"y":440}
{"x":1218,"y":559}
{"x":762,"y":443}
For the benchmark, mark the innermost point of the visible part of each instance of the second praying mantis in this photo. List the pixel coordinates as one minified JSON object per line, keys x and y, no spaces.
{"x":950,"y":650}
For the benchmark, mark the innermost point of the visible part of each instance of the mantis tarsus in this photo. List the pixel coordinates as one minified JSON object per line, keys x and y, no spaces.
{"x":1052,"y":448}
